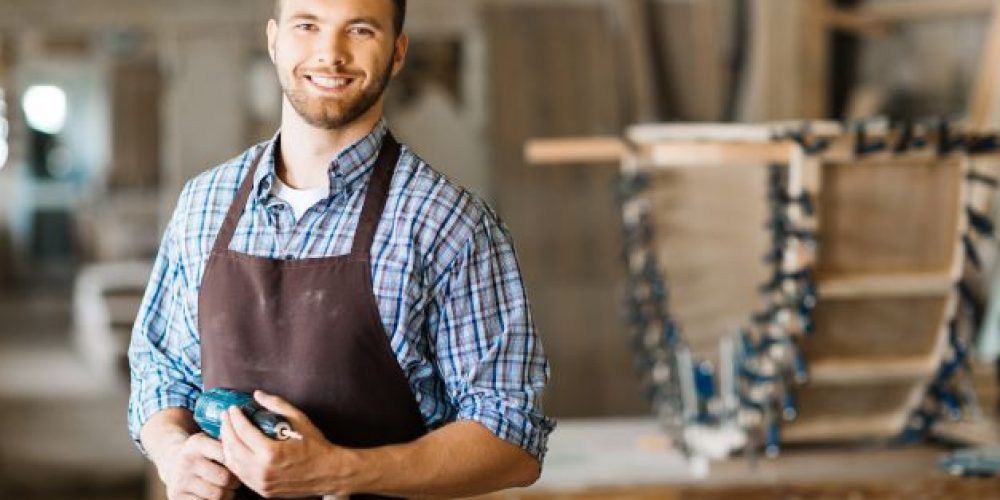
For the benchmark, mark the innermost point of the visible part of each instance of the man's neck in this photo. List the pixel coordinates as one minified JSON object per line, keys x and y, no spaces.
{"x":306,"y":151}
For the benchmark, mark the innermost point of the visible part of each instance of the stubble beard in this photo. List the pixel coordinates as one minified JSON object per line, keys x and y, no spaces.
{"x":329,"y":114}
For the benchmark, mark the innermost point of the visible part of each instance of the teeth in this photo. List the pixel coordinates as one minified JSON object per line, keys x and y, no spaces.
{"x":333,"y":83}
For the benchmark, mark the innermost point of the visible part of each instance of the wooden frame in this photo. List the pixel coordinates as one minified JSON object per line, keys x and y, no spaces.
{"x":677,"y":146}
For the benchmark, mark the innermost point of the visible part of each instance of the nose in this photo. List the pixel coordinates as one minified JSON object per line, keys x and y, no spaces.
{"x":333,"y":50}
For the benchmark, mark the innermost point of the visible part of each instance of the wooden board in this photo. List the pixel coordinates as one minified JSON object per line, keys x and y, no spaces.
{"x":550,"y":67}
{"x":888,"y":229}
{"x":889,"y":216}
{"x":710,"y":244}
{"x":876,"y":327}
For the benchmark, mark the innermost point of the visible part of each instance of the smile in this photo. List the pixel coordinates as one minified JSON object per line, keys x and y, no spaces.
{"x":329,"y":83}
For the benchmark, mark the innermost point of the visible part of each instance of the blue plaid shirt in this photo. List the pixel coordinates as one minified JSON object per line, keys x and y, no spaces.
{"x":446,"y":280}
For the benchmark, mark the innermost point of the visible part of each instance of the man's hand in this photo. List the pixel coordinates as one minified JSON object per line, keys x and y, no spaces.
{"x":311,"y":466}
{"x":191,"y":471}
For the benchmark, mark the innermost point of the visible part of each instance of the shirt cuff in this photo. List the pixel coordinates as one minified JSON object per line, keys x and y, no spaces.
{"x":140,"y":412}
{"x":524,"y":429}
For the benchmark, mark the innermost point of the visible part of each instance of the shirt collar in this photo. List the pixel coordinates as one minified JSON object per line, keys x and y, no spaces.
{"x":351,"y":165}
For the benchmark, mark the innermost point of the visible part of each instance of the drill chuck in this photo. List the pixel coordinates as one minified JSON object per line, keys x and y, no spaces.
{"x":212,"y":403}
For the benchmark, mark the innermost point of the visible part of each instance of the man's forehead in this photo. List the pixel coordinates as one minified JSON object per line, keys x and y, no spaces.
{"x":364,"y":5}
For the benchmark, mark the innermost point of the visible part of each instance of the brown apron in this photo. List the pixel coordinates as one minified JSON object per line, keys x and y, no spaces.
{"x":309,"y":330}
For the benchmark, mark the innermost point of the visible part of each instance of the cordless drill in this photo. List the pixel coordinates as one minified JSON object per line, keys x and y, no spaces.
{"x":210,"y":405}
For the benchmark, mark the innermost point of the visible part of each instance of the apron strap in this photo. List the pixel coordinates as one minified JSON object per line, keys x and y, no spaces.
{"x":375,"y":198}
{"x":371,"y":214}
{"x":235,"y":211}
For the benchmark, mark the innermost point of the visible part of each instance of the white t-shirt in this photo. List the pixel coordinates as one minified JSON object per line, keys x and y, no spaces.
{"x":301,"y":200}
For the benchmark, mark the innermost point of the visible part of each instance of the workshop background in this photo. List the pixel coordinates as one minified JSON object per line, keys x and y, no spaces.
{"x":108,"y":106}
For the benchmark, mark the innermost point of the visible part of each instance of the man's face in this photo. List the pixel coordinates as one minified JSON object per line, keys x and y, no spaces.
{"x":334,"y":58}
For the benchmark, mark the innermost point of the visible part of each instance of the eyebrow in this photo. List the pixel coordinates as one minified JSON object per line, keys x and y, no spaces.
{"x":366,"y":20}
{"x":305,"y":16}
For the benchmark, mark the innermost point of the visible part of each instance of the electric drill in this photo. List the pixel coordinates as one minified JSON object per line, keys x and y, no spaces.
{"x":210,"y":405}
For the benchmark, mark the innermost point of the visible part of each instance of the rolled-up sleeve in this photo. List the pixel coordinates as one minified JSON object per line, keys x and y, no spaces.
{"x":164,"y":357}
{"x":488,"y":352}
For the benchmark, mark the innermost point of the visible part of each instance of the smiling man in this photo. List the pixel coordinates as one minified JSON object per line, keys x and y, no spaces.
{"x":347,"y":284}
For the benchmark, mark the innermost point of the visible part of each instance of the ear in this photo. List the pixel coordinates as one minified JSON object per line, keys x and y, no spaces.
{"x":272,"y":37}
{"x":402,"y":45}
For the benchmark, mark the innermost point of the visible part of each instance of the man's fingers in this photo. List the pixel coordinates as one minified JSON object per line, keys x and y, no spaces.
{"x":233,"y":484}
{"x":246,"y":432}
{"x":199,"y":488}
{"x":232,"y":444}
{"x":299,"y":420}
{"x":278,"y":405}
{"x":214,"y":474}
{"x":206,"y":447}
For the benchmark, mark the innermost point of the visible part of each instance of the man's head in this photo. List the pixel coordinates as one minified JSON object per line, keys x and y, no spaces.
{"x":335,"y":58}
{"x":399,"y":19}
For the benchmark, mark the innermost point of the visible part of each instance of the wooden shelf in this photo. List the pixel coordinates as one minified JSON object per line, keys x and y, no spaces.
{"x":873,"y":370}
{"x":821,"y":429}
{"x":895,"y":285}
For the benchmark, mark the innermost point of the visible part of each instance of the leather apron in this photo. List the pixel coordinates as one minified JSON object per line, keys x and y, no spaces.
{"x":309,"y":330}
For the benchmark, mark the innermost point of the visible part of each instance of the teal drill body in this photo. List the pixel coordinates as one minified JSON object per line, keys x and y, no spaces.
{"x":210,"y":405}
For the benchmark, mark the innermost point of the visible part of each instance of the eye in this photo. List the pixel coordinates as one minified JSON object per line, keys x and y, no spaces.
{"x":305,"y":27}
{"x":361,"y":31}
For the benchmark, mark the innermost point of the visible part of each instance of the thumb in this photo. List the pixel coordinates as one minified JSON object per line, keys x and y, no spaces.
{"x":278,"y":405}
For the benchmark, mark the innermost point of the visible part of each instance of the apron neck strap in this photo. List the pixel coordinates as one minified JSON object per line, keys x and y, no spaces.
{"x":375,"y":198}
{"x":371,"y":214}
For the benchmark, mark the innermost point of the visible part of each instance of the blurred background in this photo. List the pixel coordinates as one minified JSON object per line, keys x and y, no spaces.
{"x":108,"y":106}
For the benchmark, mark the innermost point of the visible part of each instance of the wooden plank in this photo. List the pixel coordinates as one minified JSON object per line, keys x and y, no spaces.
{"x":885,"y":319}
{"x":599,"y":150}
{"x":855,"y":22}
{"x":984,"y":104}
{"x":707,"y":227}
{"x":868,"y":285}
{"x":694,"y":154}
{"x":694,"y":44}
{"x":895,"y":217}
{"x":814,"y":59}
{"x":566,"y":222}
{"x":867,"y":371}
{"x":135,"y":124}
{"x":839,"y":429}
{"x":923,"y":10}
{"x":773,"y":80}
{"x":736,"y":132}
{"x":632,"y":23}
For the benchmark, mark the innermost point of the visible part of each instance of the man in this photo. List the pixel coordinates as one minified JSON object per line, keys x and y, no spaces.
{"x":356,"y":290}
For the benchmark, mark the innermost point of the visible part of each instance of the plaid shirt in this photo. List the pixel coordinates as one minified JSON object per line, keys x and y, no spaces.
{"x":446,"y":280}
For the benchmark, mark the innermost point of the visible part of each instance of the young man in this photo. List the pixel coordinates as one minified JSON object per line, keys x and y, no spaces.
{"x":356,"y":290}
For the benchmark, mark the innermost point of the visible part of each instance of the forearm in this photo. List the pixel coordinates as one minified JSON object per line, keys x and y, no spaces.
{"x":167,"y":430}
{"x":457,"y":460}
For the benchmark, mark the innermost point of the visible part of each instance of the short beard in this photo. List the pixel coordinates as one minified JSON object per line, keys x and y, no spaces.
{"x":327,"y":119}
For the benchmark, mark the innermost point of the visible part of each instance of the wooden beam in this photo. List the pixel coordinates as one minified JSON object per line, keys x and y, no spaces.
{"x":699,"y":154}
{"x":632,"y":27}
{"x":858,"y":23}
{"x":894,"y":285}
{"x":923,"y":10}
{"x":735,"y":132}
{"x":601,"y":150}
{"x":983,"y":106}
